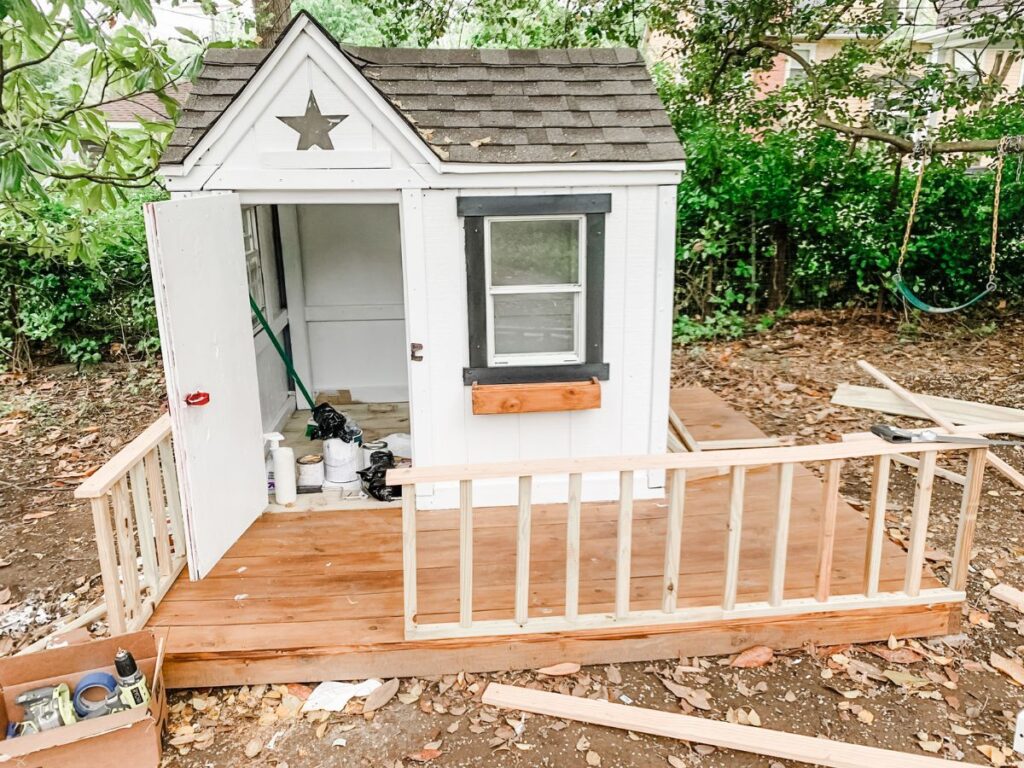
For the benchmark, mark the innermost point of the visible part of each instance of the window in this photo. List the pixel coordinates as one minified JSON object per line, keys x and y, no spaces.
{"x":795,"y":74}
{"x":968,"y":64}
{"x":253,"y":263}
{"x":535,"y":268}
{"x":535,"y":281}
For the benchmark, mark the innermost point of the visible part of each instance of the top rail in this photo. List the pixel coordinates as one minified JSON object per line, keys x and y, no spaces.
{"x":107,"y":476}
{"x":748,"y":457}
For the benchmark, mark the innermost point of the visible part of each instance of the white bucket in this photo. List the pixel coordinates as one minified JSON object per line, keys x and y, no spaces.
{"x":311,"y":471}
{"x":400,"y":444}
{"x":341,"y":460}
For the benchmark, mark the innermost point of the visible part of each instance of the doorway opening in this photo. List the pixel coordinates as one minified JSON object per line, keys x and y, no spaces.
{"x":329,"y":280}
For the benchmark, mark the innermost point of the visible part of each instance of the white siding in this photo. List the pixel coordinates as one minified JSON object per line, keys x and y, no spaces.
{"x":639,"y":253}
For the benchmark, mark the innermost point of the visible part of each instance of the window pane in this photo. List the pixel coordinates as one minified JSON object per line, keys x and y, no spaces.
{"x":534,"y":323}
{"x":535,"y":252}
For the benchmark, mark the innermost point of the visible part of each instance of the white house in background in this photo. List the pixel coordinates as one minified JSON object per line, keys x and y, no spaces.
{"x":488,"y":234}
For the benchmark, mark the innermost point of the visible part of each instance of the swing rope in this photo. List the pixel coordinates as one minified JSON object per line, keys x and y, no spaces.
{"x":1006,"y":144}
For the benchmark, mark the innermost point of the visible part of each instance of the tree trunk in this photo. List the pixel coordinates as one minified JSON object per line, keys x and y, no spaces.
{"x":272,"y":16}
{"x":21,"y":355}
{"x":778,"y":283}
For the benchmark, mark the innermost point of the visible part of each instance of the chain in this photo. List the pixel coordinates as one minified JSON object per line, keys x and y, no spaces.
{"x":1004,"y":146}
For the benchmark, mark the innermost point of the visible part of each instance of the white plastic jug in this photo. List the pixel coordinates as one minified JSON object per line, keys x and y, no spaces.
{"x":341,"y":460}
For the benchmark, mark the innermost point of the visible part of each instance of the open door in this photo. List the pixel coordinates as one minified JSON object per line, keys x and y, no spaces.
{"x":201,"y":289}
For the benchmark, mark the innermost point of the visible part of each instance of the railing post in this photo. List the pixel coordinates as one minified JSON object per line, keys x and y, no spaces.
{"x":144,"y":526}
{"x":624,"y":551}
{"x":737,"y":484}
{"x":170,"y":473}
{"x":780,"y":547}
{"x":126,"y":551}
{"x":158,"y":507}
{"x":827,"y":538}
{"x":673,"y":541}
{"x":466,"y":553}
{"x":522,"y":607}
{"x":112,"y":593}
{"x":876,"y":524}
{"x":409,"y":556}
{"x":919,"y":524}
{"x":572,"y":547}
{"x":968,"y":518}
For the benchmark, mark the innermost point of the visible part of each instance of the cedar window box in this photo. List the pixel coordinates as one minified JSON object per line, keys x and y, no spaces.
{"x":536,"y":398}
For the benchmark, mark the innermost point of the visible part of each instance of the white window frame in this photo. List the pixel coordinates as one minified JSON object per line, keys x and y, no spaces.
{"x":808,"y":51}
{"x":578,"y":289}
{"x":251,"y":246}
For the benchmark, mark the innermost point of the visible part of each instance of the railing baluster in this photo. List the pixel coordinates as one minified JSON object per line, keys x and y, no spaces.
{"x":673,"y":540}
{"x":409,"y":556}
{"x":466,"y":553}
{"x":624,"y":551}
{"x":968,"y":518}
{"x":159,"y":509}
{"x":780,"y":547}
{"x":737,"y":483}
{"x":919,"y":524}
{"x":876,"y":524}
{"x":126,"y":551}
{"x":523,"y":551}
{"x":827,"y":537}
{"x":572,"y":547}
{"x":144,"y":525}
{"x":170,"y":473}
{"x":112,"y":593}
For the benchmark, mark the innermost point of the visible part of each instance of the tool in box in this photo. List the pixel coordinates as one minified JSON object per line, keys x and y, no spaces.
{"x":45,"y":708}
{"x":893,"y":434}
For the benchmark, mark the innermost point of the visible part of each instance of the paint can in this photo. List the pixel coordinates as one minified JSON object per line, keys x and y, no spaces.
{"x":341,"y":461}
{"x":368,"y":448}
{"x":311,"y":471}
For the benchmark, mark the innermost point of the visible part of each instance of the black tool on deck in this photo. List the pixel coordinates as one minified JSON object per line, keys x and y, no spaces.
{"x":893,"y":434}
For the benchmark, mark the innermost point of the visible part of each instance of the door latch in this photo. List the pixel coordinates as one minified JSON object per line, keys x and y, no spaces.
{"x":414,"y":352}
{"x":197,"y":398}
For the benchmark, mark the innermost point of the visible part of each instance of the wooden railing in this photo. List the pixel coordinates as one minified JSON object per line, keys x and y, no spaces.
{"x":140,"y":534}
{"x":735,"y":464}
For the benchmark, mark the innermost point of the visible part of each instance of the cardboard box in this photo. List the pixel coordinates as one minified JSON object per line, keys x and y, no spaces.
{"x":129,"y":738}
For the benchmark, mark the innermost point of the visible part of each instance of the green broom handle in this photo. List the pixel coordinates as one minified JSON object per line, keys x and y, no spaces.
{"x":280,"y":351}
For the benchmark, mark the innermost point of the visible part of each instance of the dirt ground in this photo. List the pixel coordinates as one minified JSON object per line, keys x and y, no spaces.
{"x":942,"y":696}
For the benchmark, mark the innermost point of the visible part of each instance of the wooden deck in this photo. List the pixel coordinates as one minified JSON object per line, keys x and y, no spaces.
{"x":318,"y":595}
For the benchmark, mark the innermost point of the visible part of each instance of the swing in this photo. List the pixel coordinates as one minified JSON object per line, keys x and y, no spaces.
{"x":898,"y":282}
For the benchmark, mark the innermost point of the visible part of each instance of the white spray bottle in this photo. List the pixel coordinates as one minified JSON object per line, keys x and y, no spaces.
{"x":281,"y":469}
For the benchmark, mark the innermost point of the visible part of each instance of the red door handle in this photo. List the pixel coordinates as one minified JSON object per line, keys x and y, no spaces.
{"x":197,"y":398}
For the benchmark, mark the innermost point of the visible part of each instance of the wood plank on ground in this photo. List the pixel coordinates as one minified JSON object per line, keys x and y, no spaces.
{"x":743,"y":738}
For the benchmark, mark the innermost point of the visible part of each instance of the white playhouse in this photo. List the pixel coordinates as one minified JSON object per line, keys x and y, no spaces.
{"x":486,"y":235}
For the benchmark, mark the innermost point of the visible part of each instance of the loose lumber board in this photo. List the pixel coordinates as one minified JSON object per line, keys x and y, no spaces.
{"x":536,"y":398}
{"x":1009,"y":595}
{"x":956,"y":411}
{"x":744,"y":738}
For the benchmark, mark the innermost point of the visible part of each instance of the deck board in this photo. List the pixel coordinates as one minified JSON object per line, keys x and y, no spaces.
{"x":316,"y":595}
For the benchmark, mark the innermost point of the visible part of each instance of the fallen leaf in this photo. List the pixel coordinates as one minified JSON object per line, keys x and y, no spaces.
{"x":930,"y":745}
{"x":902,"y":655}
{"x":754,"y":657}
{"x":381,"y":696}
{"x":1011,"y":667}
{"x":253,"y":748}
{"x":593,"y":759}
{"x":677,"y":762}
{"x":611,"y":672}
{"x":560,"y":670}
{"x":905,"y":679}
{"x":1009,"y":595}
{"x":424,"y":755}
{"x":994,"y":754}
{"x":38,"y":515}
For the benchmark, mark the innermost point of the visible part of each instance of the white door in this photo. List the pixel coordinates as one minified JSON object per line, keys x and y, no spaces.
{"x":199,"y":278}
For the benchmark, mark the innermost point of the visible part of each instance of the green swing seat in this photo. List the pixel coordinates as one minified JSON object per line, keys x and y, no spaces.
{"x":914,"y":301}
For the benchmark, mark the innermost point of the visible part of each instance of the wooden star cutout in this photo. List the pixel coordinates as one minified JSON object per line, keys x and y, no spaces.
{"x":313,"y":126}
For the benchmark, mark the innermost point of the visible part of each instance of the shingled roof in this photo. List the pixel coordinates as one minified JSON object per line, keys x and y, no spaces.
{"x":482,"y":106}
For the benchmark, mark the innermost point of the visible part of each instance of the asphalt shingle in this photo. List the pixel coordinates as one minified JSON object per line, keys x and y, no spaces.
{"x":480,"y":105}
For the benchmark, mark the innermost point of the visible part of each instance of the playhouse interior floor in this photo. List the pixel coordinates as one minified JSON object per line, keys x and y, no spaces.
{"x":317,"y":595}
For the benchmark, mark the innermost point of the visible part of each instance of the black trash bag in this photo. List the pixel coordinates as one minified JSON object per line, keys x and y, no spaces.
{"x":373,"y":477}
{"x":329,"y":423}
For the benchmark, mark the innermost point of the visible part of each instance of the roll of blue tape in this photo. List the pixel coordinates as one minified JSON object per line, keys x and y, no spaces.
{"x":85,"y":708}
